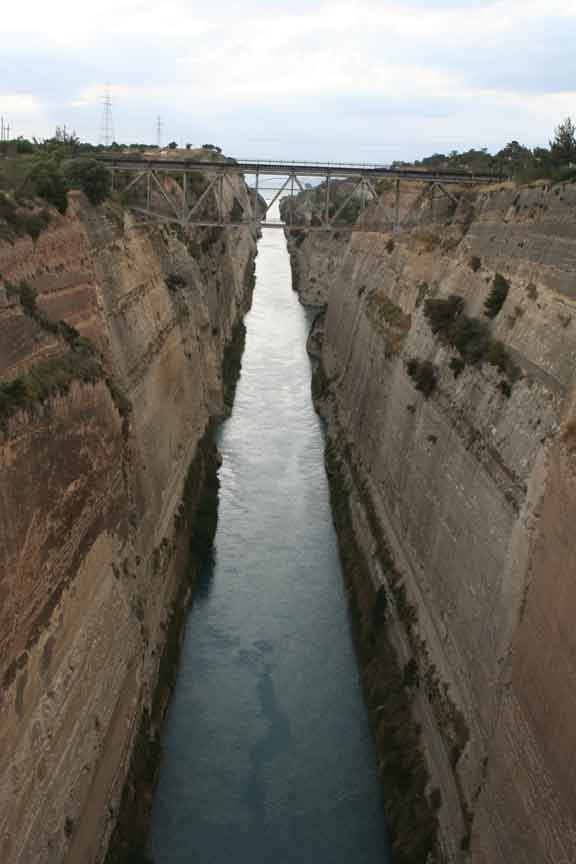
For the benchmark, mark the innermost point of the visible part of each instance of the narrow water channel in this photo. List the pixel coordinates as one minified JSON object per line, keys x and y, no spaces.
{"x":267,"y":752}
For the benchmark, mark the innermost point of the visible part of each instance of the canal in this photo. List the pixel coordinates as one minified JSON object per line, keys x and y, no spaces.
{"x":267,"y":754}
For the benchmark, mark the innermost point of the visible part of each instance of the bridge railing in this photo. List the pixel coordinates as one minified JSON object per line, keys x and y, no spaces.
{"x":306,"y":163}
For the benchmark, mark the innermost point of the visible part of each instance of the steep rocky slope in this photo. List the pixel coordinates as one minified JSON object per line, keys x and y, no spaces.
{"x":316,"y":256}
{"x":113,"y":340}
{"x":315,"y":260}
{"x":451,"y":450}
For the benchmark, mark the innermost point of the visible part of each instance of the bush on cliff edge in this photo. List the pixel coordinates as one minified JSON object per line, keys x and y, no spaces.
{"x":90,"y":176}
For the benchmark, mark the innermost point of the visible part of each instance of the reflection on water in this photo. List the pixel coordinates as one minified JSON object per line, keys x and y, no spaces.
{"x":267,"y":753}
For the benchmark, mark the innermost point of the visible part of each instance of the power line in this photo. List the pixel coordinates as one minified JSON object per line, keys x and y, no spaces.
{"x":107,"y":124}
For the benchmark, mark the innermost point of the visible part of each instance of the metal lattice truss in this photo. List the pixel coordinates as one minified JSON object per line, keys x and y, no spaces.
{"x":194,"y":193}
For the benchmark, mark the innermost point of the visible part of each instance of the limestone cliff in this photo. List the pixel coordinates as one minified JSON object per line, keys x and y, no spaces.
{"x":316,"y":256}
{"x":112,"y":344}
{"x":315,"y":260}
{"x":447,"y":379}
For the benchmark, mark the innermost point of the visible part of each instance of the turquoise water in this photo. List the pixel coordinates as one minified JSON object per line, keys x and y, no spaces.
{"x":267,"y":751}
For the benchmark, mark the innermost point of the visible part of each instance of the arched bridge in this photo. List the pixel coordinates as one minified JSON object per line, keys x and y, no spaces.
{"x":191,"y":192}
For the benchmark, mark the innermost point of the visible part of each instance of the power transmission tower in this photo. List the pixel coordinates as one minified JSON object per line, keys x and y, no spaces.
{"x":4,"y":131}
{"x":107,"y":125}
{"x":159,"y":127}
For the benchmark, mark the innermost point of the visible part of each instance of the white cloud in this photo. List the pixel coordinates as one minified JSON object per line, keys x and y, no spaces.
{"x":19,"y":103}
{"x":94,"y":95}
{"x":423,"y":69}
{"x":64,"y":19}
{"x":24,"y":112}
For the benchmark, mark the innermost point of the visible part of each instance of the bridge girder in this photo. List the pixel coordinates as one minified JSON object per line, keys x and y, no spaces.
{"x":292,"y":175}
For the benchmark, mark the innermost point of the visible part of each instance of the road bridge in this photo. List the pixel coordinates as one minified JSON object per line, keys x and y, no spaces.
{"x":150,"y":176}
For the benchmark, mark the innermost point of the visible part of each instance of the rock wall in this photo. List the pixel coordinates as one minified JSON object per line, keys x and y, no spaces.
{"x":315,"y":260}
{"x":463,"y":466}
{"x":316,"y":257}
{"x":112,"y":339}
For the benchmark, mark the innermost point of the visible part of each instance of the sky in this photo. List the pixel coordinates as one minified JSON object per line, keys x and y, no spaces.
{"x":361,"y":80}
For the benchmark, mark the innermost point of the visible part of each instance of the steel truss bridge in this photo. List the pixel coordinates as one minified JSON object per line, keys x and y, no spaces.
{"x":157,"y":179}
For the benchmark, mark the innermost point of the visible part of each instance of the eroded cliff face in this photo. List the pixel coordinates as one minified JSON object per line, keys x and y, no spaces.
{"x":116,"y":338}
{"x":316,"y":257}
{"x":458,"y":465}
{"x":315,"y":260}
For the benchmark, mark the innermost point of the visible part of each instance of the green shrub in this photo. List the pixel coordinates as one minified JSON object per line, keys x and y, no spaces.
{"x":25,"y":294}
{"x":498,"y":356}
{"x":34,"y":226}
{"x":50,"y":185}
{"x":24,"y":146}
{"x":457,"y":365}
{"x":20,"y":223}
{"x":471,"y":338}
{"x":475,"y":263}
{"x":27,"y":297}
{"x":14,"y":394}
{"x":497,"y":296}
{"x":297,"y":235}
{"x":96,"y":184}
{"x":47,"y":379}
{"x":441,"y":314}
{"x":92,"y":177}
{"x":349,"y":214}
{"x":424,"y":375}
{"x":174,"y":281}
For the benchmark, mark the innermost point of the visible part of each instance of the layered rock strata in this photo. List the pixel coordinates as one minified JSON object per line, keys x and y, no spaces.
{"x":454,"y":442}
{"x":112,"y":346}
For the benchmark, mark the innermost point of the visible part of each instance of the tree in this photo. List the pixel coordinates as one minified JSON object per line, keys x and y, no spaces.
{"x":91,"y":176}
{"x":23,"y":145}
{"x":96,"y":183}
{"x":563,"y":147}
{"x":513,"y":152}
{"x":49,"y":184}
{"x":172,"y":145}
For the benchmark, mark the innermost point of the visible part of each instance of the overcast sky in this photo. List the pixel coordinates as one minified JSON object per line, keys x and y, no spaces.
{"x":364,"y":80}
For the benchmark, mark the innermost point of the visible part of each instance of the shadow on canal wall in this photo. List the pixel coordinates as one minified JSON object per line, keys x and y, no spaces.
{"x":197,"y":521}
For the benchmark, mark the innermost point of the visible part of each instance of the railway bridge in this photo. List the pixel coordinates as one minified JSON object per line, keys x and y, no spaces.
{"x":201,"y":183}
